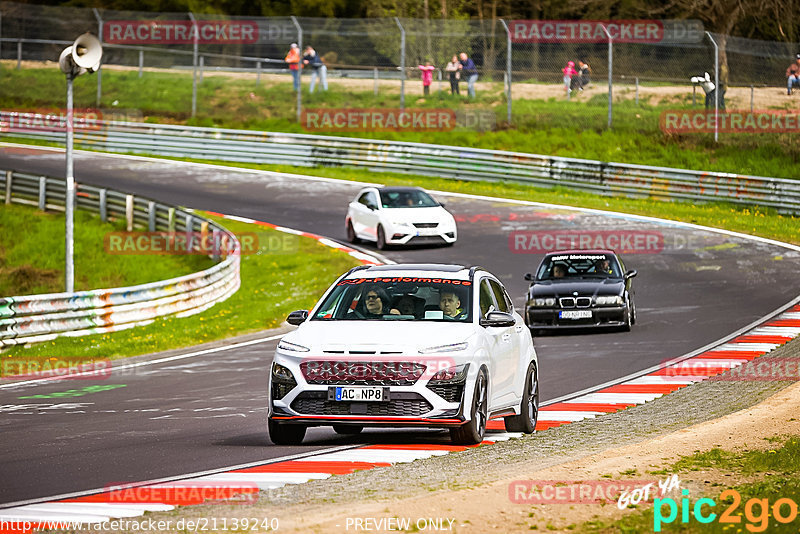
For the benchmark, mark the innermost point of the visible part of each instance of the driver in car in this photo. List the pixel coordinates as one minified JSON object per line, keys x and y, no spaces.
{"x":450,"y":304}
{"x":376,"y":303}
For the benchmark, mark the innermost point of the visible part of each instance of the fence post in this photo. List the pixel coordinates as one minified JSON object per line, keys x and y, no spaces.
{"x":375,"y":77}
{"x":200,"y":69}
{"x":637,"y":91}
{"x":100,"y":69}
{"x":151,"y":216}
{"x":42,"y":193}
{"x":258,"y":73}
{"x":752,"y":98}
{"x":439,"y":71}
{"x":141,"y":61}
{"x":402,"y":63}
{"x":188,"y":227}
{"x":508,"y":71}
{"x":195,"y":35}
{"x":171,"y":219}
{"x":8,"y":187}
{"x":300,"y":51}
{"x":610,"y":75}
{"x":716,"y":87}
{"x":103,"y":205}
{"x":19,"y":54}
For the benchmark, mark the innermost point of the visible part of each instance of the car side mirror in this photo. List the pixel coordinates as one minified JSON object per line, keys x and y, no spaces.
{"x":298,"y":317}
{"x":498,"y":319}
{"x":529,"y":277}
{"x":631,"y":274}
{"x":441,"y":204}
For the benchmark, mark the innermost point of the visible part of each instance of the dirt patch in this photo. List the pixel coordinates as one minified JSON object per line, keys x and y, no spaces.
{"x":24,"y":279}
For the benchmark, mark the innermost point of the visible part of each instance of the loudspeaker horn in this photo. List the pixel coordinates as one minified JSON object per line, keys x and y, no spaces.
{"x":83,"y":56}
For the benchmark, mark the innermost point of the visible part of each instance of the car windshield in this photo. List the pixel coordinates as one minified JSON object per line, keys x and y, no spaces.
{"x":572,"y":266}
{"x":410,"y":198}
{"x":397,"y":299}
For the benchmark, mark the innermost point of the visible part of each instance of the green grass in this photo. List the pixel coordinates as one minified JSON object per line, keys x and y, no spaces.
{"x":35,"y":263}
{"x":553,"y":127}
{"x":777,"y":468}
{"x":274,"y":283}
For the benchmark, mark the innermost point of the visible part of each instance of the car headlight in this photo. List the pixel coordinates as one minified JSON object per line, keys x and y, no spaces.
{"x":608,"y":300}
{"x":548,"y":302}
{"x":454,"y":347}
{"x":451,"y":374}
{"x":281,"y":373}
{"x":293,"y":347}
{"x":400,"y":223}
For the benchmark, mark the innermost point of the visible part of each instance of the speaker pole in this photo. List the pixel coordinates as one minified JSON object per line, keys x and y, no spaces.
{"x":69,"y":274}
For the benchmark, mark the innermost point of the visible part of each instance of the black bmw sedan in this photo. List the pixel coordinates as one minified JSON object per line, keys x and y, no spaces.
{"x":580,"y":289}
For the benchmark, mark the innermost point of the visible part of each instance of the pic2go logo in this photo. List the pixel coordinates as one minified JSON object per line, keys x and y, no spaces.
{"x":756,"y":511}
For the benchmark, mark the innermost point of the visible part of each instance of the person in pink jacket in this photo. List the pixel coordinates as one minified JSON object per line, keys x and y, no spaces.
{"x":569,"y":71}
{"x":427,"y":77}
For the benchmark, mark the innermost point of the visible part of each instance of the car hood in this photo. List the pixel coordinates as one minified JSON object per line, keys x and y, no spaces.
{"x":406,"y":337}
{"x":583,"y":287}
{"x":410,"y":215}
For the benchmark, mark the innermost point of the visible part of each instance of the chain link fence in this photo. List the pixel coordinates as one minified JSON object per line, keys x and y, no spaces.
{"x":375,"y":64}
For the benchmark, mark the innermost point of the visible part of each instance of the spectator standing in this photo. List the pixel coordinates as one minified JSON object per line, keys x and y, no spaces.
{"x":584,"y":74}
{"x":470,"y":72}
{"x":318,"y":69}
{"x":569,"y":71}
{"x":454,"y":70}
{"x":793,"y":75}
{"x":427,"y":77}
{"x":293,"y":59}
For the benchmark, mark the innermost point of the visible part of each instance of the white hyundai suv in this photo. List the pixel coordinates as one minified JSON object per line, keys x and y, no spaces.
{"x":399,"y":216}
{"x":406,"y":346}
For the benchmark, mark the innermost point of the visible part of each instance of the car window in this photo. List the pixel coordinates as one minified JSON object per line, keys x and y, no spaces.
{"x":368,"y":198}
{"x":579,"y":265}
{"x":411,"y":198}
{"x":501,"y":297}
{"x":486,"y":301}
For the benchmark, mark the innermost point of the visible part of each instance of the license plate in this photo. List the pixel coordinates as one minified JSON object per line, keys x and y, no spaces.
{"x":575,"y":314}
{"x":360,"y":394}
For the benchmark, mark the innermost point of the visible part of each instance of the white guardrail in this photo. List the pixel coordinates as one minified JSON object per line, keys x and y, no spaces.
{"x":436,"y":160}
{"x":34,"y":318}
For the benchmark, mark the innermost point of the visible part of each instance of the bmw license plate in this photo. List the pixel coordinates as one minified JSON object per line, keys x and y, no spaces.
{"x":360,"y":394}
{"x":575,"y":314}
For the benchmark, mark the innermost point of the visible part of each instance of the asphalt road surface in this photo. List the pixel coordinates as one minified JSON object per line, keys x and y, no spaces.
{"x":209,"y":411}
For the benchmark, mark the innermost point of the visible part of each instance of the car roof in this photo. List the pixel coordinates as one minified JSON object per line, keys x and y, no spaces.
{"x":581,"y":251}
{"x":406,"y":269}
{"x":398,"y":189}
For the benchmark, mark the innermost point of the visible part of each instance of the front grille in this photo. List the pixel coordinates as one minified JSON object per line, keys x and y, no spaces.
{"x":583,"y":302}
{"x":567,"y":302}
{"x":449,"y":392}
{"x":571,"y":302}
{"x":426,"y":240}
{"x":361,"y":373}
{"x":404,"y":404}
{"x":426,"y":225}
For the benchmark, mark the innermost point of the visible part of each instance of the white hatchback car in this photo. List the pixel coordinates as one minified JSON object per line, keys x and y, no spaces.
{"x":399,"y":216}
{"x":406,"y":346}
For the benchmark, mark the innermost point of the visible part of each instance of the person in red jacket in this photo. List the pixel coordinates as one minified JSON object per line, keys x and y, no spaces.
{"x":793,"y":75}
{"x":293,"y":59}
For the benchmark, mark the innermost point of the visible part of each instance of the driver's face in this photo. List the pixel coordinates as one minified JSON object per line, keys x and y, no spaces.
{"x":449,"y":304}
{"x":374,"y":304}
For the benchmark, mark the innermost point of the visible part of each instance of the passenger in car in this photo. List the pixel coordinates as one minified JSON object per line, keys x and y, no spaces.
{"x":410,"y":305}
{"x":559,"y":271}
{"x":450,"y":304}
{"x":375,"y":304}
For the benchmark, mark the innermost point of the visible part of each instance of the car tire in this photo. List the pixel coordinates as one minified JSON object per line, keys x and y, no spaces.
{"x":633,"y":311}
{"x":351,"y":233}
{"x":628,"y":318}
{"x":285,"y":434}
{"x":529,"y":405}
{"x":381,"y":238}
{"x":348,"y":430}
{"x":473,"y":431}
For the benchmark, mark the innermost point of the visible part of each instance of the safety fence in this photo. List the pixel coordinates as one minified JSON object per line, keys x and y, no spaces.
{"x":305,"y":150}
{"x":35,"y":318}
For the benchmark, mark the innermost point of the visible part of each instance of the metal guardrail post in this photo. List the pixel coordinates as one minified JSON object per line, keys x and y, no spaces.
{"x":200,"y":69}
{"x":508,"y":71}
{"x":258,"y":73}
{"x":100,"y":70}
{"x":151,"y":216}
{"x":716,"y":86}
{"x":103,"y":205}
{"x":299,"y":66}
{"x":402,"y":63}
{"x":188,"y":225}
{"x":637,"y":91}
{"x":375,"y":80}
{"x":171,"y":219}
{"x":195,"y":38}
{"x":42,"y":193}
{"x":9,"y":175}
{"x":752,"y":98}
{"x":19,"y":54}
{"x":141,"y":61}
{"x":129,"y":212}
